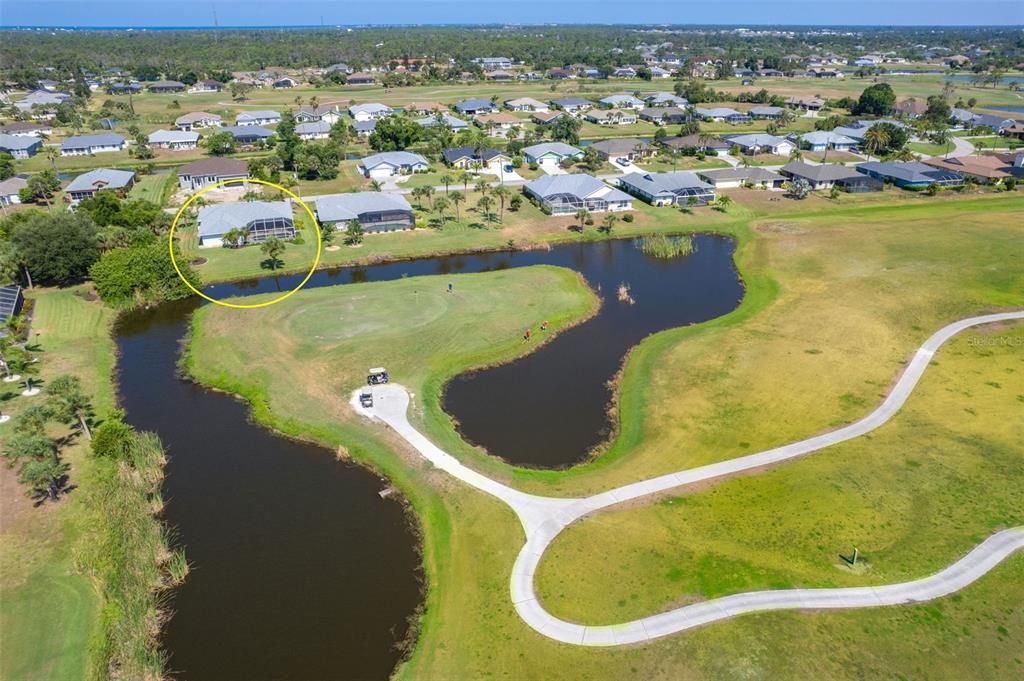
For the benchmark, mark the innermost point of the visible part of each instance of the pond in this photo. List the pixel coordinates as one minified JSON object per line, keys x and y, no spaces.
{"x":300,"y":569}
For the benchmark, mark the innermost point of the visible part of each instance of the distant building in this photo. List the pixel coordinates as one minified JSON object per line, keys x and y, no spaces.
{"x":722,"y":114}
{"x":737,"y":177}
{"x":26,"y":128}
{"x":375,"y":211}
{"x":248,"y":134}
{"x":472,"y":107}
{"x":371,"y":111}
{"x":263,"y":117}
{"x":10,"y":190}
{"x":456,"y":124}
{"x":164,"y":86}
{"x":469,"y":158}
{"x":262,"y":219}
{"x":174,"y":139}
{"x":20,"y":146}
{"x":316,"y":130}
{"x":566,"y":194}
{"x":667,"y":189}
{"x":526,"y":104}
{"x":196,"y":120}
{"x":207,"y":171}
{"x":360,"y":78}
{"x":911,"y":174}
{"x":87,"y":184}
{"x":84,"y":145}
{"x":623,"y":148}
{"x":550,"y":153}
{"x":759,"y":143}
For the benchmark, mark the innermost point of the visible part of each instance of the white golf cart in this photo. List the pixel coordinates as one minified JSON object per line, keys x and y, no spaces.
{"x":377,"y":376}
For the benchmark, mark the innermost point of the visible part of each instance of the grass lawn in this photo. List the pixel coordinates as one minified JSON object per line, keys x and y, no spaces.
{"x":929,"y":149}
{"x":835,"y":304}
{"x":660,"y":164}
{"x":995,"y":142}
{"x":154,"y":188}
{"x":50,"y":610}
{"x":765,"y":160}
{"x":349,"y":179}
{"x":831,"y":157}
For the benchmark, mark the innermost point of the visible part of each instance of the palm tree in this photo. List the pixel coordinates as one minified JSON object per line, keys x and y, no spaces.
{"x":464,"y":178}
{"x":482,"y":187}
{"x":875,"y":139}
{"x":724,"y":202}
{"x":608,"y":223}
{"x":72,"y":404}
{"x":502,"y":192}
{"x":52,"y":154}
{"x":446,"y":180}
{"x":582,"y":214}
{"x":375,"y":185}
{"x":428,"y":191}
{"x":485,"y":203}
{"x":456,"y":197}
{"x":441,"y":205}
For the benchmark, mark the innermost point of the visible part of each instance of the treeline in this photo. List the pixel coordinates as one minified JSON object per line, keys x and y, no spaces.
{"x":119,"y":244}
{"x":24,"y":56}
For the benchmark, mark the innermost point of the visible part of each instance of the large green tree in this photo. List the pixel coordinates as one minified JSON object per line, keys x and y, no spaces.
{"x":876,"y":100}
{"x":57,"y":248}
{"x":395,"y":133}
{"x":141,"y":274}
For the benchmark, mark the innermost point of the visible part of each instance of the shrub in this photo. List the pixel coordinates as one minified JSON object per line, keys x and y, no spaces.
{"x":628,"y":217}
{"x":113,"y":438}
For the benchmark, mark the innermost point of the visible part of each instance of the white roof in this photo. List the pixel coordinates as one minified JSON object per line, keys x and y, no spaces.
{"x":557,"y":148}
{"x":165,"y":136}
{"x":101,"y":178}
{"x":262,"y":114}
{"x":369,"y":107}
{"x":394,"y":158}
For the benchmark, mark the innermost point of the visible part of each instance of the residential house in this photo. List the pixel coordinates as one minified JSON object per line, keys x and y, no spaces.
{"x":472,"y":107}
{"x":826,"y":175}
{"x":825,"y":73}
{"x":425,"y":108}
{"x":725,"y":178}
{"x":1015,"y":131}
{"x":760,"y":143}
{"x":133,"y":87}
{"x":560,"y":74}
{"x":87,"y":184}
{"x":360,"y":78}
{"x":568,"y":193}
{"x":984,"y":169}
{"x":611,"y":116}
{"x":26,"y":129}
{"x":488,"y":63}
{"x":468,"y":158}
{"x":206,"y":86}
{"x":770,"y":73}
{"x":858,"y":129}
{"x":165,"y":86}
{"x":197,"y":119}
{"x":262,"y":117}
{"x":340,"y":67}
{"x":628,"y":148}
{"x":697,"y":143}
{"x":392,"y":163}
{"x":364,"y":128}
{"x":530,"y":76}
{"x":174,"y":139}
{"x":502,"y":76}
{"x":260,"y":219}
{"x":248,"y":134}
{"x":371,"y":111}
{"x":456,"y":124}
{"x":969,"y":119}
{"x":207,"y":171}
{"x":284,"y":83}
{"x":910,"y":174}
{"x":822,"y":140}
{"x":497,"y":124}
{"x":544,"y":118}
{"x":84,"y":145}
{"x":526,"y":104}
{"x":41,"y":103}
{"x":550,"y":153}
{"x":722,"y":114}
{"x":668,"y":189}
{"x":806,"y":103}
{"x":624,"y":72}
{"x":621,"y":102}
{"x":329,"y":113}
{"x":374,"y":211}
{"x":664,"y":115}
{"x":572,"y":105}
{"x":766,"y":112}
{"x":911,"y":108}
{"x":10,"y":190}
{"x":314,"y":130}
{"x":658,"y":72}
{"x":20,"y":146}
{"x":665,"y":99}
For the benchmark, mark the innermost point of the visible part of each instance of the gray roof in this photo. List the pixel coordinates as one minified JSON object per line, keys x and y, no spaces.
{"x":758,"y":140}
{"x":221,"y":217}
{"x":913,"y":172}
{"x":12,"y":185}
{"x":621,"y":100}
{"x":257,"y":115}
{"x":112,"y":179}
{"x":395,"y":158}
{"x":163,"y":136}
{"x":485,"y":155}
{"x":664,"y":183}
{"x":343,"y":207}
{"x":557,"y":148}
{"x":818,"y":173}
{"x":365,"y":126}
{"x":195,"y":117}
{"x":752,"y":174}
{"x":766,"y":110}
{"x":665,"y":97}
{"x":569,"y":102}
{"x":474,"y":105}
{"x":718,"y":112}
{"x":313,"y":128}
{"x":247,"y":131}
{"x":620,"y":145}
{"x":825,"y":137}
{"x":215,"y":167}
{"x":42,"y":98}
{"x":18,"y":142}
{"x":447,"y":119}
{"x":369,"y":107}
{"x":579,"y":185}
{"x":87,"y":141}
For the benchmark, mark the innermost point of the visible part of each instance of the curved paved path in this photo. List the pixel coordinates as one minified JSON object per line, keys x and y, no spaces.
{"x":543,"y":518}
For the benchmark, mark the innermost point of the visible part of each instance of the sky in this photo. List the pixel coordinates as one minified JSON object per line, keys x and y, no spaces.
{"x":193,"y":13}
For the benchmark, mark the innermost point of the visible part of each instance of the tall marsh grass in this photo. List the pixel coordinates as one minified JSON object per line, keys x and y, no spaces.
{"x":666,"y":247}
{"x":126,"y":548}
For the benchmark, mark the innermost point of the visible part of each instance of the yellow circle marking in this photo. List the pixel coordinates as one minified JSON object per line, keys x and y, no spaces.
{"x":239,"y":306}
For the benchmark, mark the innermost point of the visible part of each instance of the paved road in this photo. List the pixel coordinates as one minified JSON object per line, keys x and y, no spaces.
{"x":543,"y":518}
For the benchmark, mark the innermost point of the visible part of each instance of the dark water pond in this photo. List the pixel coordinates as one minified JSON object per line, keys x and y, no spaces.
{"x":300,"y":569}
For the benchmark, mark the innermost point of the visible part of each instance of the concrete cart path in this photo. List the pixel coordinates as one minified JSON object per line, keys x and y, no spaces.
{"x":543,"y":518}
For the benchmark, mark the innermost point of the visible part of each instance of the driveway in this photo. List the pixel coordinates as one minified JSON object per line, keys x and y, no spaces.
{"x":543,"y":518}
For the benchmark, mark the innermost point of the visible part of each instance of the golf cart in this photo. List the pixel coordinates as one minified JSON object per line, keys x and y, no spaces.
{"x":377,"y":376}
{"x":366,"y":398}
